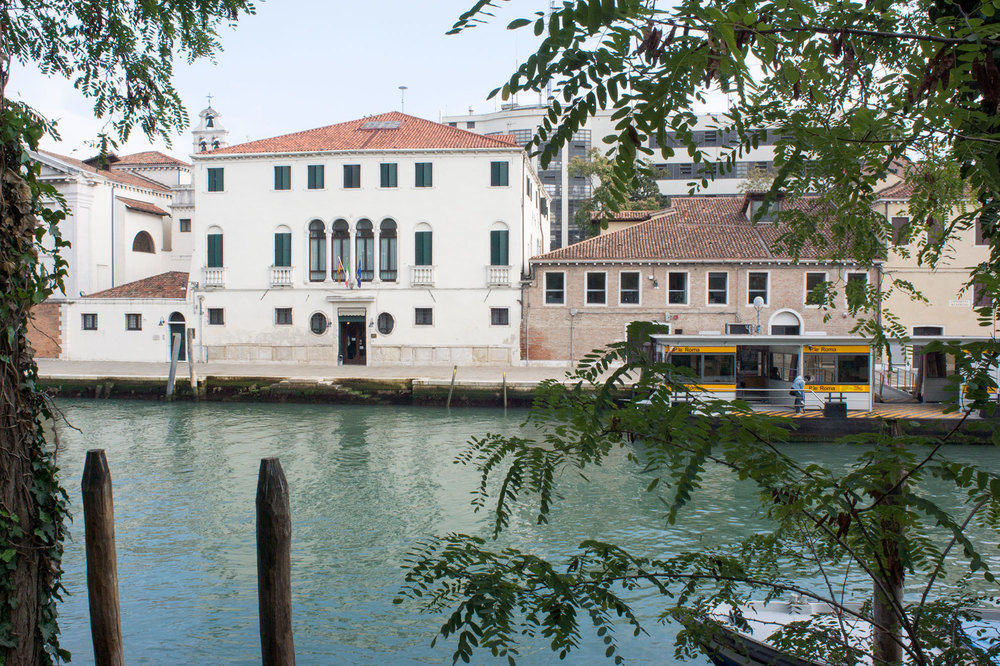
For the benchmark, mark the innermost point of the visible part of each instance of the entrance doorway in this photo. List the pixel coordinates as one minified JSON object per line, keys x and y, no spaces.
{"x":177,"y":326}
{"x":352,"y":339}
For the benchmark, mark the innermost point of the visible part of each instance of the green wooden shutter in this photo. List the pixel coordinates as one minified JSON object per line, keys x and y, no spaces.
{"x":422,"y":248}
{"x":499,"y":251}
{"x":282,"y":249}
{"x":215,"y":250}
{"x":215,"y":181}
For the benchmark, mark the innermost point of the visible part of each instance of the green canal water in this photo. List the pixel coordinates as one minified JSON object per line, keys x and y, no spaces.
{"x":366,"y":483}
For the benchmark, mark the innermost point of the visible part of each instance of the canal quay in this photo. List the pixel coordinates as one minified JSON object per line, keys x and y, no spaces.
{"x":460,"y":386}
{"x":365,"y":483}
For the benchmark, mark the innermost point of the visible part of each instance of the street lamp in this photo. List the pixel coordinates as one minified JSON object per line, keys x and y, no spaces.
{"x":758,"y":304}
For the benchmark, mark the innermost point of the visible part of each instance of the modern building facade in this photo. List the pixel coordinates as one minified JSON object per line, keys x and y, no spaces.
{"x":385,"y":240}
{"x":700,"y":268}
{"x":677,"y":175}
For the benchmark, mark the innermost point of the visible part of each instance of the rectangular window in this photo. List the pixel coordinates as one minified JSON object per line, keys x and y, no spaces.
{"x":283,"y":249}
{"x":283,"y":316}
{"x":711,"y":138}
{"x":814,"y":280}
{"x":215,"y":250}
{"x":677,"y":288}
{"x":423,"y":316}
{"x":89,"y":322}
{"x":899,"y":229}
{"x":555,"y":288}
{"x":856,"y":289}
{"x":499,"y":174}
{"x":527,"y":183}
{"x":282,"y":177}
{"x":352,"y":176}
{"x":215,"y":179}
{"x":685,"y":169}
{"x":980,"y":239}
{"x":718,"y":288}
{"x":739,"y":329}
{"x":499,"y":247}
{"x":133,"y":321}
{"x":757,"y":285}
{"x":387,"y":175}
{"x":315,"y":177}
{"x":424,"y":175}
{"x":499,"y":317}
{"x":216,"y":316}
{"x":185,"y":224}
{"x":422,"y":245}
{"x":471,"y":124}
{"x":628,"y":288}
{"x":979,"y":297}
{"x":596,"y":288}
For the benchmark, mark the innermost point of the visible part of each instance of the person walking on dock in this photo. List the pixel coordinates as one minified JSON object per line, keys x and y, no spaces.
{"x":799,"y":391}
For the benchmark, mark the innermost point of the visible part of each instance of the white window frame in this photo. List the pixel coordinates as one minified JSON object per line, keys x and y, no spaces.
{"x":707,"y":290}
{"x":586,"y":291}
{"x":767,"y":296}
{"x":805,"y":287}
{"x":687,"y":289}
{"x":545,"y":289}
{"x":638,"y":288}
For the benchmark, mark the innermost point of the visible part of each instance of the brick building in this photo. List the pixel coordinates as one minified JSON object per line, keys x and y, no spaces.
{"x":697,"y":267}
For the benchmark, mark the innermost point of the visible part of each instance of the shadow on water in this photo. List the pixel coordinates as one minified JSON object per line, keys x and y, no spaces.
{"x":366,"y":484}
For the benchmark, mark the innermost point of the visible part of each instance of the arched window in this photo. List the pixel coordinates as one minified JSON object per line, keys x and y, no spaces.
{"x":202,"y":146}
{"x":499,"y":245}
{"x":143,"y":242}
{"x":214,"y":255}
{"x":215,"y":144}
{"x":317,"y":251}
{"x":364,"y":250}
{"x":340,"y":252}
{"x":422,"y":246}
{"x":210,"y":120}
{"x":283,"y":247}
{"x":387,"y":251}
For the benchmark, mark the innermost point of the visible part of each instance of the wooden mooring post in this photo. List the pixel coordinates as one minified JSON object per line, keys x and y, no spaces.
{"x":274,"y":565}
{"x":505,"y":391}
{"x":451,"y":389}
{"x":102,"y":565}
{"x":175,"y":350}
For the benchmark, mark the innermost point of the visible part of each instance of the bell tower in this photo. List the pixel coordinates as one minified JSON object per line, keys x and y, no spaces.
{"x":209,"y":134}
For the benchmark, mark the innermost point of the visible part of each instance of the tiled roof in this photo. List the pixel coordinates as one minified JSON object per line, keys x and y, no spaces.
{"x":624,"y":215}
{"x":398,"y":131}
{"x":902,"y":190}
{"x":165,"y":285}
{"x":150,"y":158}
{"x":142,"y":206}
{"x":693,"y":228}
{"x":123,"y":177}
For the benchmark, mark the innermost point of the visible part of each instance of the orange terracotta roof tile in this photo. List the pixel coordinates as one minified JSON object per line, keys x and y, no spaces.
{"x":150,"y":158}
{"x":692,"y":228}
{"x":142,"y":206}
{"x":165,"y":285}
{"x":901,"y":191}
{"x":624,"y":215}
{"x":123,"y":177}
{"x":386,"y":131}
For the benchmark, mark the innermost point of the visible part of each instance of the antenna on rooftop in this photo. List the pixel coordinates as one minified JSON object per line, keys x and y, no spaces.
{"x":402,"y":99}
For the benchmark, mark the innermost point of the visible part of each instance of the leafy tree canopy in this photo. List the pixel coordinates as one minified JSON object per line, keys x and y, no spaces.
{"x":644,"y":193}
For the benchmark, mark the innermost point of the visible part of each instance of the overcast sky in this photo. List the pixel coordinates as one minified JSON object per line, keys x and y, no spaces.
{"x":299,"y":64}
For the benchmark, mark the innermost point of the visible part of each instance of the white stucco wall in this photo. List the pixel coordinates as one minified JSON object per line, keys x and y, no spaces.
{"x":111,"y":342}
{"x":460,"y":208}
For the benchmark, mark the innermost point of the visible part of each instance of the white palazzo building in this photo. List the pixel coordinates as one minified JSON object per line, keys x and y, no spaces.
{"x":384,"y":240}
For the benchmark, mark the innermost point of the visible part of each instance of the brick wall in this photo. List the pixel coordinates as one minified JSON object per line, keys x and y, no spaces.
{"x":45,"y":330}
{"x":548,"y":331}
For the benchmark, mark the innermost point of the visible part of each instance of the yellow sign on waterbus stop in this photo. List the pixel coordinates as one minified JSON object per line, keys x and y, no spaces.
{"x":836,"y":349}
{"x":703,"y":350}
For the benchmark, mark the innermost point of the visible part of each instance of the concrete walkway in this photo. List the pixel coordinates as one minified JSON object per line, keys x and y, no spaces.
{"x":52,"y":369}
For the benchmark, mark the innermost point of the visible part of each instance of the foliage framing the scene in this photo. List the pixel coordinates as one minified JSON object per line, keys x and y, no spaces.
{"x":122,"y":56}
{"x":849,"y":93}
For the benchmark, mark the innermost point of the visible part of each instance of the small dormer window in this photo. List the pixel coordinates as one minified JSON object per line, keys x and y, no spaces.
{"x":202,"y":146}
{"x":210,"y":120}
{"x":769,"y":215}
{"x":215,"y":144}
